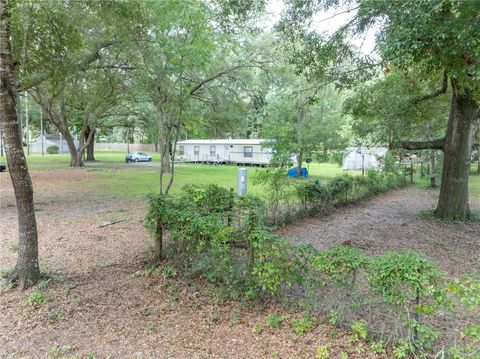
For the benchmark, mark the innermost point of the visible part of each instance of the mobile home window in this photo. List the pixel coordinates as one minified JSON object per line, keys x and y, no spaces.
{"x":196,"y":150}
{"x":247,"y":151}
{"x":212,"y":150}
{"x":181,"y":150}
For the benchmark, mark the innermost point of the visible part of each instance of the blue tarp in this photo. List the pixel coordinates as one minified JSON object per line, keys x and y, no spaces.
{"x":292,"y":172}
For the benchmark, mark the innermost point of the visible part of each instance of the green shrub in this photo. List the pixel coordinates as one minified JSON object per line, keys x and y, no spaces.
{"x":403,"y":276}
{"x":411,"y":285}
{"x":276,"y":263}
{"x":466,"y":293}
{"x":338,"y":265}
{"x":277,"y":188}
{"x":53,"y":149}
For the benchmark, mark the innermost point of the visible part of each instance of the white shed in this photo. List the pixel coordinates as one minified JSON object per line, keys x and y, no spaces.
{"x":235,"y":151}
{"x":356,"y":158}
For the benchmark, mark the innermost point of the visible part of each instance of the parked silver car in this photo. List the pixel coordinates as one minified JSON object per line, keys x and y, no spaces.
{"x":138,"y":157}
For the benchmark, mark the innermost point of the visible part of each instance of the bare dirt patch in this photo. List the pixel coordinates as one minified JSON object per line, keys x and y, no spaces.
{"x":97,"y":301}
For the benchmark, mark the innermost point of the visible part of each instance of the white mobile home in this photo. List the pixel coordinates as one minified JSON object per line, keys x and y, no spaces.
{"x":357,"y":158}
{"x":235,"y":151}
{"x":50,"y":140}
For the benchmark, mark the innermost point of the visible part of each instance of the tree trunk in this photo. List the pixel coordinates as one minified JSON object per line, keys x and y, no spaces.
{"x":431,"y":169}
{"x":91,"y":144}
{"x":158,"y":252}
{"x":299,"y":163}
{"x":27,"y":269}
{"x":431,"y":164}
{"x":453,"y":200}
{"x":76,"y":156}
{"x":163,"y":140}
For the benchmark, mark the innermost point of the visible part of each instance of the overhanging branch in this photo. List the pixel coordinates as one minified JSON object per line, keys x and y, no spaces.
{"x":440,"y":91}
{"x":221,"y":73}
{"x":419,"y":145}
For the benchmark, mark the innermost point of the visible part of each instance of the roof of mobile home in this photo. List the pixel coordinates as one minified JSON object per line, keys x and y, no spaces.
{"x":223,"y":142}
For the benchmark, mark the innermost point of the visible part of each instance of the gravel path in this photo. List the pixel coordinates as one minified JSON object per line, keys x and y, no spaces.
{"x":393,"y":221}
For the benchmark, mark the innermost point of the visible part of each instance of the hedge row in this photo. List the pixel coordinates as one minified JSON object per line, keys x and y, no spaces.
{"x":223,"y":238}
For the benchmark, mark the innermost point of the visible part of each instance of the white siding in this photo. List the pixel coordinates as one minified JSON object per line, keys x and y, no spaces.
{"x":228,"y":151}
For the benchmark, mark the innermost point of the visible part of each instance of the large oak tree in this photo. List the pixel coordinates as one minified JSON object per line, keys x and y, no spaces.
{"x":430,"y":36}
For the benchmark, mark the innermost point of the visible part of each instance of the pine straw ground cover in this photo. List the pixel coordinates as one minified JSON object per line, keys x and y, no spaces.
{"x":99,"y":297}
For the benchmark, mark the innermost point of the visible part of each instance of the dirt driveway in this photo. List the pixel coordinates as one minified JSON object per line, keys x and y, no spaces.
{"x":394,"y":221}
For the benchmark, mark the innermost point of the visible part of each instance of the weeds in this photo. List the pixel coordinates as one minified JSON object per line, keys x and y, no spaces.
{"x":302,"y":325}
{"x":36,"y":298}
{"x":274,"y":320}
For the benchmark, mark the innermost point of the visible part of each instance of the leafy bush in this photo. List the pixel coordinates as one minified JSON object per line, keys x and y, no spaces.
{"x":53,"y":149}
{"x":223,"y":239}
{"x":338,"y":264}
{"x":404,"y":276}
{"x":276,"y":263}
{"x":411,"y":285}
{"x":346,"y":188}
{"x":466,"y":293}
{"x":277,"y":188}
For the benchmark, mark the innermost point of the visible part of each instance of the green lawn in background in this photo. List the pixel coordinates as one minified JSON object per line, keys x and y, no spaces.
{"x":145,"y":179}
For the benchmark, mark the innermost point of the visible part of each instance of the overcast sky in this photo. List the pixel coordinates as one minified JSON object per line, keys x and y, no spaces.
{"x":326,"y":22}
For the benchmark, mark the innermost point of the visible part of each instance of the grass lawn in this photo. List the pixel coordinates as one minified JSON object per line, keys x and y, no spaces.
{"x":146,"y":180}
{"x":121,"y":180}
{"x":137,"y":179}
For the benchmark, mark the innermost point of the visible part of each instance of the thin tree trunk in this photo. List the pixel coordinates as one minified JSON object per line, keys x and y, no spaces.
{"x":299,"y":163}
{"x":164,"y":132}
{"x":453,"y":200}
{"x":172,"y":175}
{"x":431,"y":170}
{"x":27,"y":269}
{"x":158,"y":251}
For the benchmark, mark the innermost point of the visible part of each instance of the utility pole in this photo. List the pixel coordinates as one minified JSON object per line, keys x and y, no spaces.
{"x":128,"y":139}
{"x":1,"y":143}
{"x":363,"y":164}
{"x":41,"y":132}
{"x":27,"y":134}
{"x":20,"y":121}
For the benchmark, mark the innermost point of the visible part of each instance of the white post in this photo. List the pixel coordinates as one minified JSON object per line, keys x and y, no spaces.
{"x":61,"y":144}
{"x":242,"y":181}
